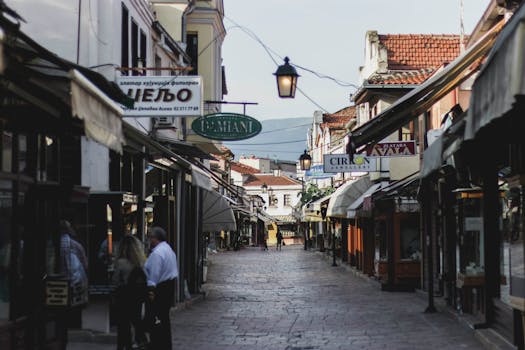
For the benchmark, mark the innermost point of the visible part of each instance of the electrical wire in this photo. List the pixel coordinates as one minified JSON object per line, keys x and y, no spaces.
{"x":270,"y":51}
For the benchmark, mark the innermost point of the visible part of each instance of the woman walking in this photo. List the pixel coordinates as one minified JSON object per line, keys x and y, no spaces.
{"x":131,"y":292}
{"x":279,"y":237}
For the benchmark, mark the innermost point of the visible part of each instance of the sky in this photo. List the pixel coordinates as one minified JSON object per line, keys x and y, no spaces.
{"x":326,"y":36}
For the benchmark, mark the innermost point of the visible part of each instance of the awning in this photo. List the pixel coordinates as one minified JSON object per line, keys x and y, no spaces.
{"x":433,"y":157}
{"x":346,"y":195}
{"x":285,"y":219}
{"x":443,"y":148}
{"x":404,"y":192}
{"x":41,"y":84}
{"x":500,"y":80}
{"x":200,"y":178}
{"x":217,"y":214}
{"x":101,"y":116}
{"x":352,"y":210}
{"x":2,"y":64}
{"x":265,"y":217}
{"x":421,"y":98}
{"x":153,"y":147}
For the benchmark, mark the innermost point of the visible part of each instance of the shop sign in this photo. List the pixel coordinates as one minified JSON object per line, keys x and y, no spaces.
{"x":341,"y":163}
{"x":162,"y":96}
{"x":57,"y":293}
{"x":392,"y":149}
{"x":317,"y":171}
{"x":226,"y":126}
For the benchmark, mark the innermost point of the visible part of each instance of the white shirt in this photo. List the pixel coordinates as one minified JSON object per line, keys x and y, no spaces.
{"x":161,"y":264}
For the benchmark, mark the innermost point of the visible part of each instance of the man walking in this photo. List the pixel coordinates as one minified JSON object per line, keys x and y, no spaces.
{"x":161,"y":270}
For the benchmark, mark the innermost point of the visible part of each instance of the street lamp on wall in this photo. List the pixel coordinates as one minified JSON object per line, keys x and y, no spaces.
{"x":286,"y":79}
{"x":305,"y":161}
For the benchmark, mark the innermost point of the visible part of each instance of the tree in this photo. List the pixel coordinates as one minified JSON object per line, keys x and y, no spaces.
{"x":312,"y":192}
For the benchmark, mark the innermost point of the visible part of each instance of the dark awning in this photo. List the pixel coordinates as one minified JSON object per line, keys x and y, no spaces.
{"x":500,"y":80}
{"x":38,"y":83}
{"x":420,"y":99}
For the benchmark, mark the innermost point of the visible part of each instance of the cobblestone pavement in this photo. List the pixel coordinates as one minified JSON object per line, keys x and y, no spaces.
{"x":294,"y":300}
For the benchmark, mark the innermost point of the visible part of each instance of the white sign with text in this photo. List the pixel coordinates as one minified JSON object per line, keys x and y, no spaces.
{"x":163,"y":96}
{"x":341,"y":163}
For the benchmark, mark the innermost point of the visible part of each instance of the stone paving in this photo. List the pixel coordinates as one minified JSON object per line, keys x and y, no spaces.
{"x":292,"y":300}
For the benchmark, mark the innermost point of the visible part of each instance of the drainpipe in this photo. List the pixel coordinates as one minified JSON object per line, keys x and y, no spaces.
{"x":188,"y":11}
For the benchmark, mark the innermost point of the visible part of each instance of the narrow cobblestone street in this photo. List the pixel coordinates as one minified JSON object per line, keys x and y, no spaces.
{"x":294,"y":299}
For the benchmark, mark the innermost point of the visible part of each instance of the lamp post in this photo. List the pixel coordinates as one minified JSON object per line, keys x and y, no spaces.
{"x":286,"y":76}
{"x":305,"y":162}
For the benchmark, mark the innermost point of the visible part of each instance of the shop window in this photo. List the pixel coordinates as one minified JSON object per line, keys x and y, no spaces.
{"x":381,"y":248}
{"x":48,"y":158}
{"x":512,"y":254}
{"x":472,"y":261}
{"x":409,"y":238}
{"x":5,"y":247}
{"x":6,"y":151}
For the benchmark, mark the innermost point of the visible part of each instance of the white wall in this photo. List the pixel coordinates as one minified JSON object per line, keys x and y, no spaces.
{"x":95,"y":164}
{"x":279,"y":192}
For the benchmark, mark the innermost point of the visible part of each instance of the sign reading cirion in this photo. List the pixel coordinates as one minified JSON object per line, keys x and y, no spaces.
{"x":226,"y":126}
{"x":341,"y":163}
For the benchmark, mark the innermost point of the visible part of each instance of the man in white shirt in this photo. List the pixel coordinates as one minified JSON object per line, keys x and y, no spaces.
{"x":161,"y":270}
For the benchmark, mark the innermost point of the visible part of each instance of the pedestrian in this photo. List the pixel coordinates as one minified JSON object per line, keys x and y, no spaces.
{"x":279,"y":237}
{"x":161,"y":271}
{"x":131,"y":293}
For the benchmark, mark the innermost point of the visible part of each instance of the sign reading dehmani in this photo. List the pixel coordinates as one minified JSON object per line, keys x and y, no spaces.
{"x":341,"y":163}
{"x":163,"y":96}
{"x":226,"y":126}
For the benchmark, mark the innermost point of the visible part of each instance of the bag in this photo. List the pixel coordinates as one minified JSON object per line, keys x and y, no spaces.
{"x":284,"y":243}
{"x":78,"y":280}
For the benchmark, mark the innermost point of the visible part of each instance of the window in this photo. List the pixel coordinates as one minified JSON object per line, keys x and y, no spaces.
{"x":406,"y":133}
{"x":409,"y":238}
{"x":143,"y":50}
{"x":272,"y":199}
{"x":124,"y":48}
{"x":134,"y":46}
{"x":287,"y":200}
{"x":158,"y":64}
{"x":193,"y":51}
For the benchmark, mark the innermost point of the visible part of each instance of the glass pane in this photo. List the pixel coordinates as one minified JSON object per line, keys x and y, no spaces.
{"x":7,"y":151}
{"x":5,"y":247}
{"x":409,"y":238}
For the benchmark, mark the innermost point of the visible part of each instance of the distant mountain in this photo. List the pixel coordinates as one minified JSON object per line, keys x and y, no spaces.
{"x":274,"y":141}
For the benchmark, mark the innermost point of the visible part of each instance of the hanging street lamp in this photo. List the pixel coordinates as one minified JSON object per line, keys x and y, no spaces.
{"x":286,"y":79}
{"x":305,"y":161}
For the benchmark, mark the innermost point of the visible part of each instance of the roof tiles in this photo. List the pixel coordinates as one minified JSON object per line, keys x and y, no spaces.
{"x":418,"y":51}
{"x":270,"y":180}
{"x":338,"y":119}
{"x":243,"y":168}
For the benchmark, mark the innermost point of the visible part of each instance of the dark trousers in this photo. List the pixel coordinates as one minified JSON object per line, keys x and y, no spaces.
{"x":128,"y":315}
{"x":161,"y":333}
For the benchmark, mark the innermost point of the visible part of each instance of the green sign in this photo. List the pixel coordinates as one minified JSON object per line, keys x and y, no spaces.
{"x":226,"y":126}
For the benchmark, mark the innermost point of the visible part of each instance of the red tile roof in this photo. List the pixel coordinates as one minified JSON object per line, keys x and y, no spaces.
{"x":243,"y":168}
{"x":338,"y":119}
{"x":270,"y":180}
{"x":417,"y":51}
{"x":401,"y":77}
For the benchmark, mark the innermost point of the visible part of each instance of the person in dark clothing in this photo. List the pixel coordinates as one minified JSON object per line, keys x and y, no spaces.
{"x":162,"y":271}
{"x":131,"y":292}
{"x":279,"y":237}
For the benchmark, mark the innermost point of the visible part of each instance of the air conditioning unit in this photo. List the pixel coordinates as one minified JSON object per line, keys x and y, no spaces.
{"x":165,"y":122}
